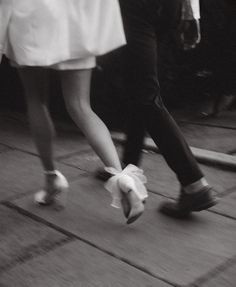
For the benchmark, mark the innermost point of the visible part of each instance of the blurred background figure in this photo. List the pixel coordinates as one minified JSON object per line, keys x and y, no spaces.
{"x":219,"y":22}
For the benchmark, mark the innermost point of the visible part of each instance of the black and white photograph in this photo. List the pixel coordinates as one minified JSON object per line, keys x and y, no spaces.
{"x":117,"y":143}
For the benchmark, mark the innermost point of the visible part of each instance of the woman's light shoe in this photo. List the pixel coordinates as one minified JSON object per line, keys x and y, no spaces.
{"x":132,"y":205}
{"x":55,"y":191}
{"x":128,"y":191}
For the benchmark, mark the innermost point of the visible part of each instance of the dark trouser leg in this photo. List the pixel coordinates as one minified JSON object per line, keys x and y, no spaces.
{"x":143,"y":89}
{"x":135,"y":134}
{"x":168,"y":137}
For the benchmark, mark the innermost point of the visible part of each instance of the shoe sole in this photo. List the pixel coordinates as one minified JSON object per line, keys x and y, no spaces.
{"x":175,"y":213}
{"x":206,"y":205}
{"x":134,"y":218}
{"x":55,"y":198}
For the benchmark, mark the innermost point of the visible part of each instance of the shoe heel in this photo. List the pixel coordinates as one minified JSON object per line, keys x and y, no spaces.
{"x":136,"y":210}
{"x":132,"y":205}
{"x":57,"y":195}
{"x":62,"y":189}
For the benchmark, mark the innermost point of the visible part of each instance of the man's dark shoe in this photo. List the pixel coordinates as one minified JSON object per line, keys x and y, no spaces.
{"x":102,"y":174}
{"x":187,"y":203}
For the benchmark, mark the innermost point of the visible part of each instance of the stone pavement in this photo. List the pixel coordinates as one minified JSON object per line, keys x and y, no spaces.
{"x":88,"y":244}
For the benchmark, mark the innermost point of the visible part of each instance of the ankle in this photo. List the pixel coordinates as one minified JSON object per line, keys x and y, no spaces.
{"x":50,"y":177}
{"x":50,"y":172}
{"x":195,"y":186}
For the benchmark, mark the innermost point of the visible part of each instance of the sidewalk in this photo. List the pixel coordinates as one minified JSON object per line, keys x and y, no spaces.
{"x":88,"y":244}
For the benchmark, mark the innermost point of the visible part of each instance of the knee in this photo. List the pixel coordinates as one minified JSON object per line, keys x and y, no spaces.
{"x":146,"y":92}
{"x":77,"y":107}
{"x":151,"y":98}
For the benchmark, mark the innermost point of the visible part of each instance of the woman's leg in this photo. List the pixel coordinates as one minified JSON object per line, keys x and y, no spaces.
{"x":76,"y":91}
{"x":35,"y":83}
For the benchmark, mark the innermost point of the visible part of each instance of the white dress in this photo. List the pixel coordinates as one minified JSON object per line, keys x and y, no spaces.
{"x":57,"y":32}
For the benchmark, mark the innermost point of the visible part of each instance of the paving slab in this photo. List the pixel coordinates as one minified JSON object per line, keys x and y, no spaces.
{"x":16,"y":134}
{"x":77,"y":265}
{"x":210,"y":138}
{"x":21,"y":172}
{"x":86,"y":160}
{"x":3,"y":148}
{"x":22,"y":237}
{"x":178,"y":251}
{"x":67,"y":143}
{"x":226,"y":278}
{"x":227,"y":205}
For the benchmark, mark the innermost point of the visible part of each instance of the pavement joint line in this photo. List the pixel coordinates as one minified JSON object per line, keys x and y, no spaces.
{"x":76,"y":167}
{"x":206,"y":124}
{"x":13,"y":148}
{"x":222,"y":214}
{"x":227,"y":192}
{"x":80,"y":176}
{"x":57,"y":159}
{"x":36,"y":218}
{"x":7,"y":146}
{"x":214,"y":272}
{"x":22,"y":150}
{"x":33,"y":251}
{"x":232,"y":152}
{"x":65,"y":156}
{"x":71,"y":235}
{"x":16,"y":196}
{"x":161,"y":194}
{"x":202,"y":155}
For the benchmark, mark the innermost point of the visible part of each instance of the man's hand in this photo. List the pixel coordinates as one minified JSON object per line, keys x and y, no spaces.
{"x":189,"y":34}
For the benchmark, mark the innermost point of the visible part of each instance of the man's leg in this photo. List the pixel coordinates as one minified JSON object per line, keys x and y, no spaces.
{"x":135,"y":135}
{"x":148,"y":108}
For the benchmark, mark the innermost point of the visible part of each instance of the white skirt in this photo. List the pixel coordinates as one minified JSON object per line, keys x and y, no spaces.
{"x":50,"y":32}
